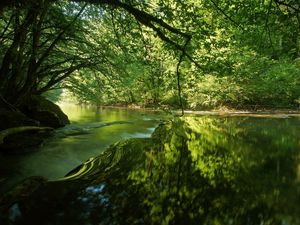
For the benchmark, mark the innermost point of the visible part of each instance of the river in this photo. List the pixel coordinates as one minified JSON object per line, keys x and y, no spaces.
{"x":62,"y":153}
{"x":235,"y":168}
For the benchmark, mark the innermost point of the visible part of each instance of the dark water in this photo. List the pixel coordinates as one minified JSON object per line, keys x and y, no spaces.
{"x":67,"y":149}
{"x":194,"y":170}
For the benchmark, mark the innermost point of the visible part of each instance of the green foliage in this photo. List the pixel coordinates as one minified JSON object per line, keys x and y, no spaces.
{"x":254,"y":82}
{"x":241,"y":55}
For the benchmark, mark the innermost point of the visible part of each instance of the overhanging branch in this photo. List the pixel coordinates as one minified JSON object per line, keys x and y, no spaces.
{"x":150,"y":21}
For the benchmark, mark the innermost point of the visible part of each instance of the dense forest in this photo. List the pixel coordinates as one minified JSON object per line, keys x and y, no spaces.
{"x":191,"y":54}
{"x":118,"y":165}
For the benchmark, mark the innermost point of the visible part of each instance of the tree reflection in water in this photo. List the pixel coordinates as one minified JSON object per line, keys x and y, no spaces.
{"x":194,"y":170}
{"x":221,"y":171}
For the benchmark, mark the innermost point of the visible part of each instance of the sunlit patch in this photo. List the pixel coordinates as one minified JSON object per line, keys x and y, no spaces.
{"x":137,"y":135}
{"x":147,"y":119}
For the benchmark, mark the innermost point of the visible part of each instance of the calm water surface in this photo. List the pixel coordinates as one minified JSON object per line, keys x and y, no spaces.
{"x":208,"y":170}
{"x":66,"y":150}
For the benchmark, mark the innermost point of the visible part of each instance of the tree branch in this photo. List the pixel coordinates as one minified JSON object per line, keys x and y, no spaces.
{"x":178,"y":77}
{"x":54,"y":79}
{"x":282,"y":2}
{"x":59,"y":36}
{"x":225,"y":14}
{"x":7,"y":26}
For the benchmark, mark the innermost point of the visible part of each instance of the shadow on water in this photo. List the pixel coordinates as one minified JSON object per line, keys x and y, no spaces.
{"x":194,"y":170}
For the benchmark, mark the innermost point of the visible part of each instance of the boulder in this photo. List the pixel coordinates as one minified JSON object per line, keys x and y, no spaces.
{"x":27,"y":126}
{"x":44,"y":111}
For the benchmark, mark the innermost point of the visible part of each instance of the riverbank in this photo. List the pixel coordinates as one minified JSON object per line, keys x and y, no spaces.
{"x":279,"y":112}
{"x":257,"y":113}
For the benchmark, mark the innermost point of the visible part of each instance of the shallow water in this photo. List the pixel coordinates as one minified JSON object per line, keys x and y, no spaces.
{"x":66,"y":149}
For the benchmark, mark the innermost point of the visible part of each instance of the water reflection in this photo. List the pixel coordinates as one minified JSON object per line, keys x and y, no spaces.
{"x":194,"y":170}
{"x":223,"y":171}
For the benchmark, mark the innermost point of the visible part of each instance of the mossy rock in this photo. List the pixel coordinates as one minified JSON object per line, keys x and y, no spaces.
{"x":46,"y":112}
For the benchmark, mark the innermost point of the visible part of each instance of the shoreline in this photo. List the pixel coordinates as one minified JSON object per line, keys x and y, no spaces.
{"x":222,"y":111}
{"x":242,"y":113}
